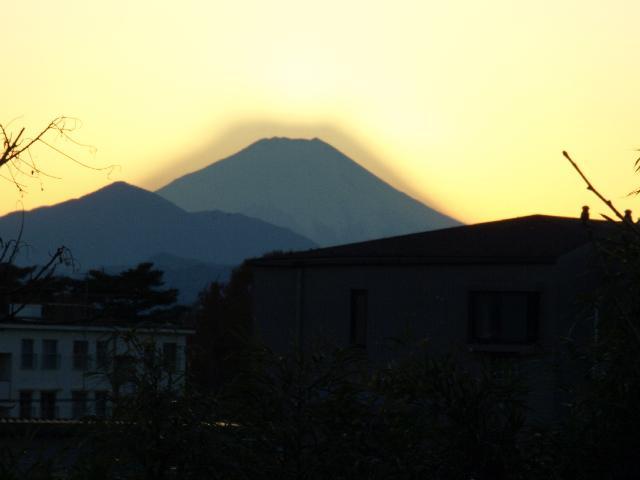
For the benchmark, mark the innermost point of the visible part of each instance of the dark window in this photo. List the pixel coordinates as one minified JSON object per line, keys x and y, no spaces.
{"x":504,"y":317}
{"x":80,"y":355}
{"x":48,"y":407}
{"x":26,"y":404}
{"x":102,"y":354}
{"x":125,"y":366}
{"x":78,"y":404}
{"x":170,"y":356}
{"x":358,"y":328}
{"x":28,"y":357}
{"x":101,"y":398}
{"x":5,"y":367}
{"x":124,"y":372}
{"x":50,"y":358}
{"x":149,"y":356}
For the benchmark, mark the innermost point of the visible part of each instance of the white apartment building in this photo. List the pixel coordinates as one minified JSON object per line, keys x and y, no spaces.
{"x":60,"y":371}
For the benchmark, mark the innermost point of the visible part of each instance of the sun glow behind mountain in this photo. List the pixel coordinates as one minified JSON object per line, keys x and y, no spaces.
{"x":465,"y":105}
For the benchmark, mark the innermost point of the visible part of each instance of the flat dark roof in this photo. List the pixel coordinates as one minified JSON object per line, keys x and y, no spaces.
{"x":530,"y":239}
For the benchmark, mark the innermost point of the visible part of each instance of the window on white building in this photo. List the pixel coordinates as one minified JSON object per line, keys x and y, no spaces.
{"x":80,"y":355}
{"x":5,"y":367}
{"x":101,"y":398}
{"x":124,"y":372}
{"x":78,"y":404}
{"x":48,"y":404}
{"x":27,"y":354}
{"x":102,"y":355}
{"x":26,"y":404}
{"x":50,"y":357}
{"x":170,"y":356}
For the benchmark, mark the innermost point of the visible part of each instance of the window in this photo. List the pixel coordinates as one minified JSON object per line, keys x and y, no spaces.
{"x":102,"y":354}
{"x":26,"y":404}
{"x":78,"y":404}
{"x":48,"y":407}
{"x":504,"y":317}
{"x":25,"y":310}
{"x":28,"y":357}
{"x":149,"y":357}
{"x":80,"y":355}
{"x":5,"y":367}
{"x":101,"y":398}
{"x":124,"y":373}
{"x":170,"y":356}
{"x":358,"y":328}
{"x":50,"y":358}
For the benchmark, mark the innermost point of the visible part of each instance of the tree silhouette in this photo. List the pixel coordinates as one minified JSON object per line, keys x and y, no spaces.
{"x":223,"y":329}
{"x":602,"y":430}
{"x":133,"y":295}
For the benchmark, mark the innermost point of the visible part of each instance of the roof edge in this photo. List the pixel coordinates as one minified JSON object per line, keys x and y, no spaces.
{"x":400,"y":261}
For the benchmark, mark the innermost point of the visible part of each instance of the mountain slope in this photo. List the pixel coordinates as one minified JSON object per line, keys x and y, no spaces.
{"x":123,"y":225}
{"x":307,"y":186}
{"x":189,"y":276}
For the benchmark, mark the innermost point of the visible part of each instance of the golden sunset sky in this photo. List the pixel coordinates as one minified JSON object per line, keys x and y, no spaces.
{"x":465,"y":105}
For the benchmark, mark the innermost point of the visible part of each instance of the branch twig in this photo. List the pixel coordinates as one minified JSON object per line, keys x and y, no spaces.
{"x":604,"y":200}
{"x":626,"y":222}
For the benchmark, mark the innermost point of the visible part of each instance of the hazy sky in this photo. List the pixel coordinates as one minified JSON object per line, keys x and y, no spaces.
{"x":466,"y":105}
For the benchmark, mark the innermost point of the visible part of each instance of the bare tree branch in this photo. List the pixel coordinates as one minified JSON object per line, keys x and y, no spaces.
{"x":16,"y":153}
{"x":624,"y":312}
{"x":632,"y":226}
{"x":23,"y":285}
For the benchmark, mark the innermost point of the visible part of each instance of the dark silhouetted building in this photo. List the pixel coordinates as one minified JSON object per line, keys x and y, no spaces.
{"x":506,"y":289}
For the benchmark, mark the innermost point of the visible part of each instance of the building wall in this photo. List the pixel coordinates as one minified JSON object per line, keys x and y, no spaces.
{"x":65,"y":378}
{"x":412,"y":303}
{"x":404,"y":301}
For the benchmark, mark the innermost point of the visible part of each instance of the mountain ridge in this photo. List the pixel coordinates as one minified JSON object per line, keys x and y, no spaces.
{"x":122,"y":224}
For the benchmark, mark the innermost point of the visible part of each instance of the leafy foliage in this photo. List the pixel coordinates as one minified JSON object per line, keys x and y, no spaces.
{"x":331,"y":414}
{"x":600,"y":438}
{"x":604,"y":418}
{"x":223,"y":329}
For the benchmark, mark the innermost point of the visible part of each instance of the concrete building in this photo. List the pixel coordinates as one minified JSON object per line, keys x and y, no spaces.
{"x":512,"y":288}
{"x":62,"y":371}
